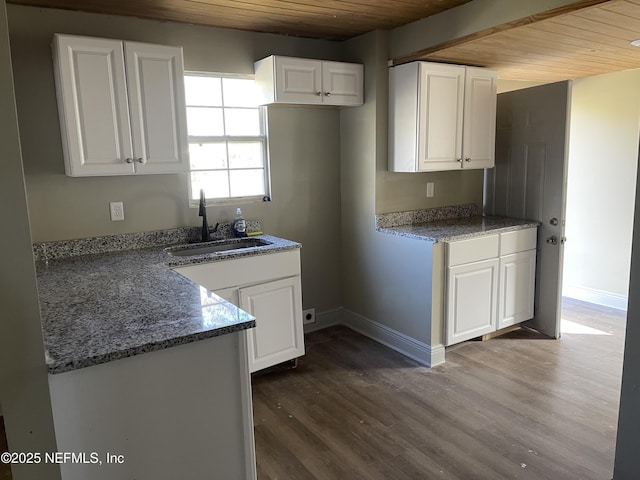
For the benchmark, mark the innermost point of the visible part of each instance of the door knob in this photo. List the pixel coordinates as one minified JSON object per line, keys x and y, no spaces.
{"x":553,"y":240}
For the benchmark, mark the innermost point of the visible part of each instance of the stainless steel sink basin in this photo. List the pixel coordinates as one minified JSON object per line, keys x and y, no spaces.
{"x":215,"y":247}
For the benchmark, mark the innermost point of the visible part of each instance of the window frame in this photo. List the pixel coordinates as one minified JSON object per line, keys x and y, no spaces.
{"x":264,"y":139}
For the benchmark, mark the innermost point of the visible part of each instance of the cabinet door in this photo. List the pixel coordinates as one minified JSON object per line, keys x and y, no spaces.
{"x":440,"y":105}
{"x":278,"y":335}
{"x":231,"y":295}
{"x":155,"y":76}
{"x":517,"y":288}
{"x":479,"y":118}
{"x":472,"y":294}
{"x":92,"y":103}
{"x":342,"y":83}
{"x":298,"y":80}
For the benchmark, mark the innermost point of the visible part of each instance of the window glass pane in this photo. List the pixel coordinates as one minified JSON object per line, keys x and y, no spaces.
{"x":245,"y":155}
{"x":203,"y":122}
{"x":204,"y":156}
{"x":215,"y":184}
{"x":242,"y":121}
{"x":245,"y":183}
{"x":203,"y":91}
{"x":240,"y":92}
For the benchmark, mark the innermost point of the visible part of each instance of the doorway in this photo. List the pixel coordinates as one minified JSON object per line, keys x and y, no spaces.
{"x":601,"y":187}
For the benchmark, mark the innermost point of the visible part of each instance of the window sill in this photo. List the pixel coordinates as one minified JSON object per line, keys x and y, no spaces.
{"x":213,"y":202}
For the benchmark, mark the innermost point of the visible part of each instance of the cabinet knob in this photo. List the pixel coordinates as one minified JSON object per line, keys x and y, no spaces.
{"x":553,"y":240}
{"x":468,"y":159}
{"x":319,"y":94}
{"x":129,"y":160}
{"x":459,"y":160}
{"x":326,"y":94}
{"x":141,"y":160}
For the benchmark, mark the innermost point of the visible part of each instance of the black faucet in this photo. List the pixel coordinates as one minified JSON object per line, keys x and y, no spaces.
{"x":206,"y":230}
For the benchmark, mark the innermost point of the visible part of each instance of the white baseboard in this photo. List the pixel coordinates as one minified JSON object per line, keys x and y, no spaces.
{"x":404,"y":344}
{"x":599,"y":297}
{"x":325,"y":319}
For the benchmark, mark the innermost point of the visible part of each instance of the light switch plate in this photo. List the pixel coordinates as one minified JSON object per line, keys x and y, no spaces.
{"x":430,"y":189}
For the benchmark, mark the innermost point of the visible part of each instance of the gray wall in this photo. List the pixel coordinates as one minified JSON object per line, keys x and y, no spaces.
{"x":24,"y":388}
{"x":381,"y":273}
{"x":304,"y":146}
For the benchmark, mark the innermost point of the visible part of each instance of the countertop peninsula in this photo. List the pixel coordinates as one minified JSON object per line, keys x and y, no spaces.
{"x":105,"y":305}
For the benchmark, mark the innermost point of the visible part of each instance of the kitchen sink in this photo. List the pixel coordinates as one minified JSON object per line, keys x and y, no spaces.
{"x":215,"y":247}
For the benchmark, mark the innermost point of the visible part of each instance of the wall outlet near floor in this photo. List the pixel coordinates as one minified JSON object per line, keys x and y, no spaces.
{"x":309,"y":316}
{"x":430,"y":189}
{"x":117,"y":211}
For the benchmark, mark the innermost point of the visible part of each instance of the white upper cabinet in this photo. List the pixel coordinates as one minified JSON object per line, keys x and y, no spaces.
{"x":301,"y":81}
{"x":441,"y":117}
{"x":479,"y":130}
{"x":121,"y":105}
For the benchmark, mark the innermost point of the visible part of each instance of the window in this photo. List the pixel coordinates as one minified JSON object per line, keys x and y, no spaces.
{"x":227,"y":143}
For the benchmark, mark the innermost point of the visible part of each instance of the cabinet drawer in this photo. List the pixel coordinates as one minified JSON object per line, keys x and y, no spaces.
{"x":518,"y":241}
{"x":473,"y":250}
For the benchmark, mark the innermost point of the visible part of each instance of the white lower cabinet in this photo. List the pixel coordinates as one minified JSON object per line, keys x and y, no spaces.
{"x":269,"y":288}
{"x":278,"y":335}
{"x":472,"y":294}
{"x":517,"y":288}
{"x":490,"y":284}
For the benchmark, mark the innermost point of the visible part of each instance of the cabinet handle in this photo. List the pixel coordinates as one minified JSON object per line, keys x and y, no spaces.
{"x":319,"y":94}
{"x":467,"y":159}
{"x":129,"y":160}
{"x":459,"y":160}
{"x":326,"y":94}
{"x":141,"y":160}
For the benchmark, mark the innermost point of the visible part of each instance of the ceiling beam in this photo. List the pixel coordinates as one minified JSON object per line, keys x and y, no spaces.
{"x":528,"y":20}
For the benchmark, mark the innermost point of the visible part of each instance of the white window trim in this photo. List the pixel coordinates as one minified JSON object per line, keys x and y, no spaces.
{"x":194,"y":203}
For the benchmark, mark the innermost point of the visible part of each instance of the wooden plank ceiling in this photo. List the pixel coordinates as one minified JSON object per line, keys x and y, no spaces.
{"x":589,"y":41}
{"x":326,"y":19}
{"x":587,"y":37}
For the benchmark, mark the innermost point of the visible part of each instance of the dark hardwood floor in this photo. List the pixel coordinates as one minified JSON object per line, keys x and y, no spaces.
{"x":517,"y":406}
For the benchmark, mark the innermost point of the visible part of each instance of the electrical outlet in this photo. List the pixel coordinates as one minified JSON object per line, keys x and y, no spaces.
{"x":117,"y":211}
{"x":309,"y":316}
{"x":430,"y":189}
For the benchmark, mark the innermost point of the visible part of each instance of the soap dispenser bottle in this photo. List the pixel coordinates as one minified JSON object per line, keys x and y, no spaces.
{"x":239,"y":225}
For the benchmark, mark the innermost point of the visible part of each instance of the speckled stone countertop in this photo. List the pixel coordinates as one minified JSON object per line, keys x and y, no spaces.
{"x":100,"y":307}
{"x":452,"y":229}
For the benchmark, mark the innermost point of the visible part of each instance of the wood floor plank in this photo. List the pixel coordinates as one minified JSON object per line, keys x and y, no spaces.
{"x":517,"y":406}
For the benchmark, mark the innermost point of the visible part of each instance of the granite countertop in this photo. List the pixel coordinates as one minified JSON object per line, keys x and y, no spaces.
{"x":458,"y":228}
{"x":100,"y":307}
